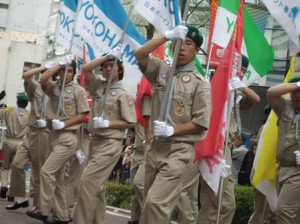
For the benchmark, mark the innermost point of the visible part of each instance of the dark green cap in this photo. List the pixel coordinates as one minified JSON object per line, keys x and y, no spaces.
{"x":294,"y":79}
{"x":22,"y":96}
{"x":3,"y":105}
{"x":194,"y":34}
{"x":267,"y":109}
{"x":245,"y":61}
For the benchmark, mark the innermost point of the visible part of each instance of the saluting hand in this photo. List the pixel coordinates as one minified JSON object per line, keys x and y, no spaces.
{"x":179,"y":32}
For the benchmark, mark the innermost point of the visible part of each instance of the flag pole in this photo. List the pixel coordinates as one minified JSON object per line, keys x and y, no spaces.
{"x":166,"y":102}
{"x":69,"y":51}
{"x":101,"y":111}
{"x":208,"y":62}
{"x":221,"y":183}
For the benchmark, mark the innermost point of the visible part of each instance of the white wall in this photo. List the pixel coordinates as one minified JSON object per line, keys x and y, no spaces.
{"x":11,"y":78}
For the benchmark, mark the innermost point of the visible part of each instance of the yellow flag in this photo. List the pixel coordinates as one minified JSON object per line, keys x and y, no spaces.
{"x":265,"y":159}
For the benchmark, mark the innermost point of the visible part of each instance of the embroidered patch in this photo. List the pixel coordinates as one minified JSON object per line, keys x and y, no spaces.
{"x":186,"y":78}
{"x":113,"y":92}
{"x":179,"y":111}
{"x":164,"y":76}
{"x":286,"y":117}
{"x":69,"y":91}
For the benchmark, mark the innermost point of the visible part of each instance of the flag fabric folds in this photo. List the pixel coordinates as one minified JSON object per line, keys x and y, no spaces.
{"x":287,"y":14}
{"x":265,"y":158}
{"x":101,"y":24}
{"x":163,"y":15}
{"x":209,"y":152}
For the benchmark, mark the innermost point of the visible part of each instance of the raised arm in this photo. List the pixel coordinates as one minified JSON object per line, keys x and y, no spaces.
{"x":275,"y":93}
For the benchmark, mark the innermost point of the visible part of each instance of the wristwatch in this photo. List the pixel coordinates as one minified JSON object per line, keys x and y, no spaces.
{"x":298,"y":84}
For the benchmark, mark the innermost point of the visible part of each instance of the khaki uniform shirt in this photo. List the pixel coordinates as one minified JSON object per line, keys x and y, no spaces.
{"x":74,"y":102}
{"x":191,"y":98}
{"x":15,"y":123}
{"x":38,"y":100}
{"x":287,"y":142}
{"x":139,"y":129}
{"x":119,"y":104}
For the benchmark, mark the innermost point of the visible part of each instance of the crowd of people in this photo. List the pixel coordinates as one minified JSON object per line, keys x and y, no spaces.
{"x":74,"y":148}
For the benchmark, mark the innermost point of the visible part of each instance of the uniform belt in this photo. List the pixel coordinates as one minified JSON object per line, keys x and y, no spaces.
{"x":287,"y":164}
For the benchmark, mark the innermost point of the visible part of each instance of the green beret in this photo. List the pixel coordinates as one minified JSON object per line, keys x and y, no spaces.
{"x":267,"y":109}
{"x":245,"y":61}
{"x":3,"y":105}
{"x":294,"y":79}
{"x":194,"y":34}
{"x":22,"y":96}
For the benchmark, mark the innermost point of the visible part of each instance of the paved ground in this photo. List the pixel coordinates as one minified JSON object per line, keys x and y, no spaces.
{"x":114,"y":215}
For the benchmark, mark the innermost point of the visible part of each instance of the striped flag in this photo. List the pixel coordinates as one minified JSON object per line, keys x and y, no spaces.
{"x":209,"y":152}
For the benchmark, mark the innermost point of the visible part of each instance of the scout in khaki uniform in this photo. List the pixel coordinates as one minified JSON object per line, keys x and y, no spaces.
{"x":172,"y":150}
{"x":107,"y":133}
{"x":244,"y":98}
{"x":288,"y":153}
{"x":34,"y":149}
{"x":16,"y":120}
{"x":62,"y":139}
{"x":137,"y":168}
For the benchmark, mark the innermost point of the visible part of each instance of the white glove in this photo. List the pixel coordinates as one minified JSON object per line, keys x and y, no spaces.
{"x":80,"y":156}
{"x":57,"y":124}
{"x":225,"y":169}
{"x":41,"y":123}
{"x":297,"y":154}
{"x":115,"y":53}
{"x":236,"y":83}
{"x":99,"y":122}
{"x":67,"y":60}
{"x":49,"y":64}
{"x":162,"y":129}
{"x":179,"y":32}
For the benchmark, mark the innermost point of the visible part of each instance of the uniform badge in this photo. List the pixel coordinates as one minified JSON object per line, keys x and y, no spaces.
{"x":69,"y":109}
{"x":114,"y":93}
{"x":164,"y":76}
{"x":69,"y":91}
{"x":186,"y":78}
{"x":180,"y":110}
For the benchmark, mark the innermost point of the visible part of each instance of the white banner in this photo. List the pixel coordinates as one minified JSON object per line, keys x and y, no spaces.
{"x":100,"y":24}
{"x":287,"y":14}
{"x":163,"y":15}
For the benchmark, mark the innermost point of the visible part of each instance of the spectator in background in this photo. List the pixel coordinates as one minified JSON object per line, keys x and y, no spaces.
{"x":238,"y":154}
{"x":246,"y":167}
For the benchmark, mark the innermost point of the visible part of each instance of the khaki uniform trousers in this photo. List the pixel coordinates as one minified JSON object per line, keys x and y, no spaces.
{"x":52,"y":187}
{"x":9,"y":149}
{"x":209,"y":203}
{"x":137,"y":170}
{"x":35,"y":148}
{"x":91,"y":203}
{"x":261,"y":210}
{"x":288,"y":187}
{"x":166,"y":163}
{"x":188,"y":200}
{"x":73,"y":172}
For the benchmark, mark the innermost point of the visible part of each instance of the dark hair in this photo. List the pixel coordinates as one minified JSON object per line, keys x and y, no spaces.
{"x":22,"y":103}
{"x":74,"y":66}
{"x":254,"y":133}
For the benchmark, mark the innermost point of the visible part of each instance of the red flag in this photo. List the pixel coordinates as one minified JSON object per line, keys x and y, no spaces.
{"x":82,"y":75}
{"x":145,"y":88}
{"x":209,"y":152}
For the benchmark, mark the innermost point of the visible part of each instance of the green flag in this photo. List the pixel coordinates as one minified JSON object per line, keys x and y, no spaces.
{"x":257,"y":49}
